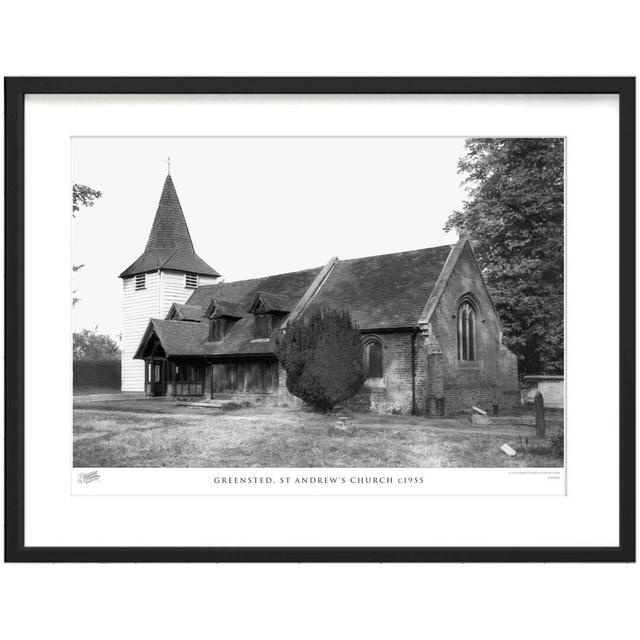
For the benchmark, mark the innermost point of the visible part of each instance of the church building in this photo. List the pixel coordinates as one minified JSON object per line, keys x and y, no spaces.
{"x":431,"y":334}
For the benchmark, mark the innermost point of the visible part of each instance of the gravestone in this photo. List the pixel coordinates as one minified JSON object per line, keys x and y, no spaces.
{"x":343,"y":424}
{"x":508,"y":450}
{"x":538,"y":406}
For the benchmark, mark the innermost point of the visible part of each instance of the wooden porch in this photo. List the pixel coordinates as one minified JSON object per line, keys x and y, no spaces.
{"x":184,"y":377}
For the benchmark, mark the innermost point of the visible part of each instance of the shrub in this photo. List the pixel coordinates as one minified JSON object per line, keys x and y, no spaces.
{"x":96,"y":373}
{"x":322,"y":356}
{"x":557,"y":443}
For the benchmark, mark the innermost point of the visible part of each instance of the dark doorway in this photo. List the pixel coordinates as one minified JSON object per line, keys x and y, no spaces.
{"x":155,"y":368}
{"x":156,"y":382}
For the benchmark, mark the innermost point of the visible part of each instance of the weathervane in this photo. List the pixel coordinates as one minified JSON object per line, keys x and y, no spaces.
{"x":168,"y":166}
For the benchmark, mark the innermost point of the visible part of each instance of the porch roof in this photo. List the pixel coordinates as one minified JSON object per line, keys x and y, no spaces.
{"x":179,"y":338}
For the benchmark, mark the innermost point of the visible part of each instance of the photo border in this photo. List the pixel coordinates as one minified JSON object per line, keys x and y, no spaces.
{"x":15,"y":91}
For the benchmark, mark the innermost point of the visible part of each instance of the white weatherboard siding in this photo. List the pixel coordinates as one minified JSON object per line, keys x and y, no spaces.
{"x":162,"y":290}
{"x":173,"y":289}
{"x":138,"y":307}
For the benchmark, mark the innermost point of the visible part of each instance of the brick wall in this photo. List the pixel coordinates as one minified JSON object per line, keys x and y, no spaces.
{"x":443,"y":384}
{"x":394,"y":395}
{"x":285,"y":398}
{"x":480,"y":381}
{"x":360,"y":403}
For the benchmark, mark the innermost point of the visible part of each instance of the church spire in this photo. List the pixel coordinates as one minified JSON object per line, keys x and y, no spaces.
{"x":169,"y":230}
{"x":169,"y":245}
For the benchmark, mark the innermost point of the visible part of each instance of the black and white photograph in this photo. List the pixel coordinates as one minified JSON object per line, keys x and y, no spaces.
{"x":320,"y":327}
{"x":318,"y":302}
{"x":320,"y":320}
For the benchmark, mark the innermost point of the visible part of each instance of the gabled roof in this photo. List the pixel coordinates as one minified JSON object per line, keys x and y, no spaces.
{"x":382,"y":292}
{"x":268,"y":302}
{"x":223,"y":308}
{"x":190,"y":338}
{"x":463,"y":244}
{"x":176,"y":337}
{"x":169,"y":245}
{"x":185,"y":312}
{"x":243,"y":292}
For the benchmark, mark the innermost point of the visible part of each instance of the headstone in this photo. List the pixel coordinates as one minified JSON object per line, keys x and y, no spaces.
{"x":538,"y":407}
{"x":507,"y":449}
{"x":478,"y":410}
{"x":343,"y":424}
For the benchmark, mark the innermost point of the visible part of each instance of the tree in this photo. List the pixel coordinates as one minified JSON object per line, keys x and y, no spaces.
{"x":323,"y":359}
{"x":515,"y":219}
{"x":91,"y":345}
{"x":83,"y":196}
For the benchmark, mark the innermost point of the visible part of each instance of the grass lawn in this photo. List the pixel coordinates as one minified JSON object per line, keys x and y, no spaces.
{"x":161,"y":434}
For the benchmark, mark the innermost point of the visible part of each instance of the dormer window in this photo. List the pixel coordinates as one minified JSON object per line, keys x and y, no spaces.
{"x":264,"y":324}
{"x":222,"y":316}
{"x":269,"y":310}
{"x":217,"y":329}
{"x":140,"y":281}
{"x":191,"y":280}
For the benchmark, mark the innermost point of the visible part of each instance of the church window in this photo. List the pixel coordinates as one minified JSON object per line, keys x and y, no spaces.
{"x":373,"y":359}
{"x":466,"y":331}
{"x":141,"y":281}
{"x":191,"y":280}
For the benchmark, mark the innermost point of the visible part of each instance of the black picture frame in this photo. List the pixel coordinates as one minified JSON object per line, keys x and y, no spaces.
{"x":15,"y":91}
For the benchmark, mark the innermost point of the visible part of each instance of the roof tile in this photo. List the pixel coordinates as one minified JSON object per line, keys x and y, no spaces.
{"x":169,"y":245}
{"x":383,"y":292}
{"x":380,"y":292}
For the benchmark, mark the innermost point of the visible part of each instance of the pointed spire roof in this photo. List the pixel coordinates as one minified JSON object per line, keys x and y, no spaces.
{"x":169,"y":230}
{"x":169,"y":245}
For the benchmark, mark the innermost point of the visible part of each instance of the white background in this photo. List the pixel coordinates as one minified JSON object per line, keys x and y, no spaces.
{"x":587,"y":516}
{"x":367,"y":38}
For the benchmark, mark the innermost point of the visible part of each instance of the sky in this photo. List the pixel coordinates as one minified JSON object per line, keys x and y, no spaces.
{"x":257,"y":206}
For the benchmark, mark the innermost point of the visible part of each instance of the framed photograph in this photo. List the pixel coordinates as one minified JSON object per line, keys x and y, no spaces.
{"x":320,"y":319}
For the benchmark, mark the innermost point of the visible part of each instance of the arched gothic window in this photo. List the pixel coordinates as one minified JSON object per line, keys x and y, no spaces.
{"x":466,"y":331}
{"x":373,"y":359}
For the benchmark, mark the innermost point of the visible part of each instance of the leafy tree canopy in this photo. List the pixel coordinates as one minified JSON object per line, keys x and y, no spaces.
{"x":91,"y":345}
{"x":515,"y":218}
{"x":323,"y":359}
{"x":84,"y":196}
